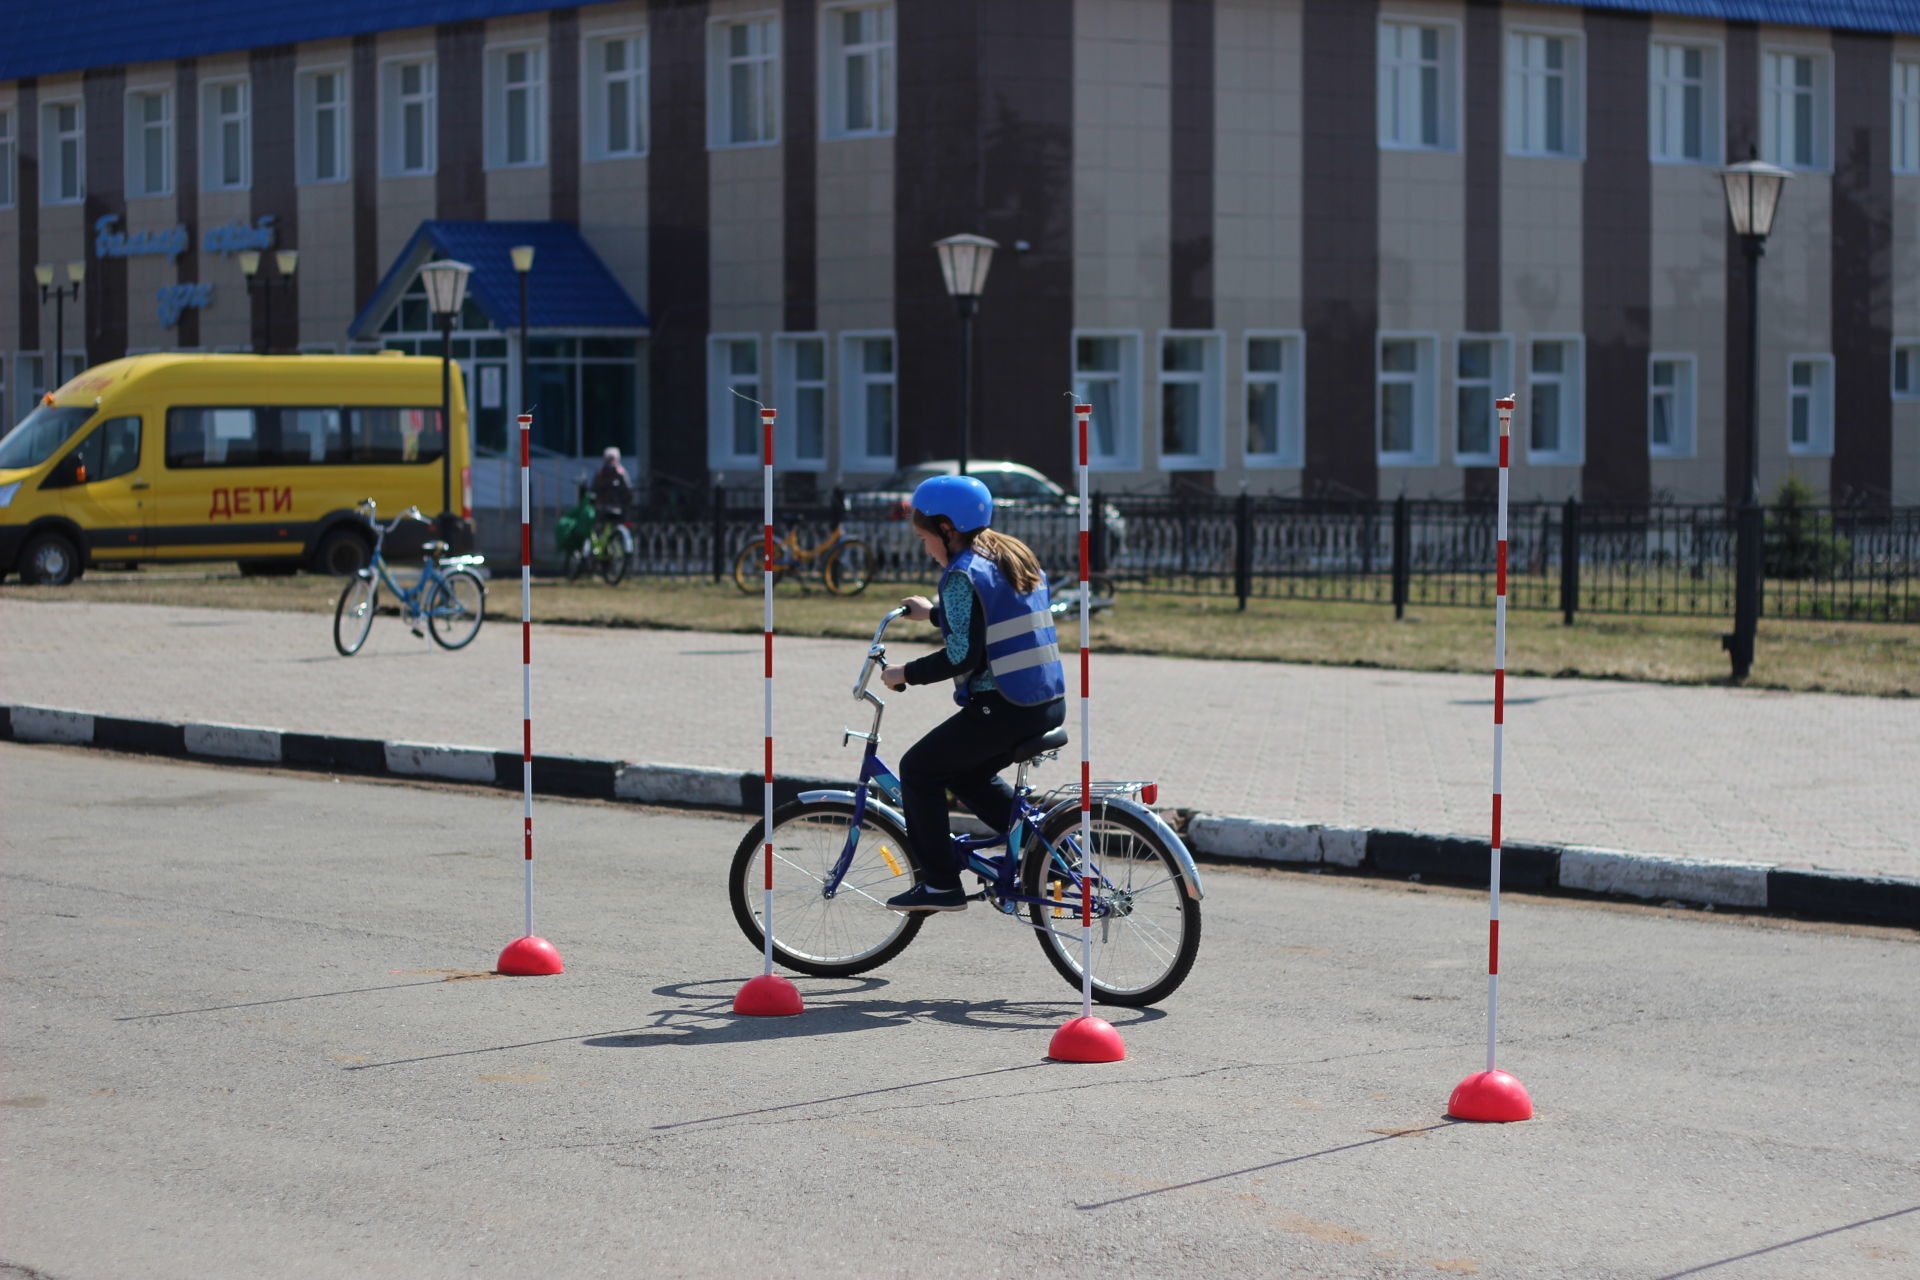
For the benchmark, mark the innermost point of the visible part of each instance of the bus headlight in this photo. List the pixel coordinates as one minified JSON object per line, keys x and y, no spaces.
{"x":7,"y":491}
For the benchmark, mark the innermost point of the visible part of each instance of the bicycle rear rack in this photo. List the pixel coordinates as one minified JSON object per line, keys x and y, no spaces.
{"x":1146,"y":792}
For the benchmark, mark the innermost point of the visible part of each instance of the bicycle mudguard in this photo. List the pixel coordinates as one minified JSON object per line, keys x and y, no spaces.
{"x":874,"y":803}
{"x":1189,"y":872}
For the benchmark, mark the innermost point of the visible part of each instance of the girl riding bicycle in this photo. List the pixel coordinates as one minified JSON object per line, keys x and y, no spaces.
{"x":1004,"y":660}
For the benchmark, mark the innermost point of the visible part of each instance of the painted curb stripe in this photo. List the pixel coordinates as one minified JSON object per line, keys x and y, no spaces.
{"x":340,"y":755}
{"x":39,"y":724}
{"x":146,"y":737}
{"x":232,"y":742}
{"x":557,"y":775}
{"x":1882,"y":899}
{"x":1727,"y":884}
{"x":423,"y":759}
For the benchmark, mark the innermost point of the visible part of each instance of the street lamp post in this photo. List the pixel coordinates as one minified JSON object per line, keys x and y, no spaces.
{"x":1753,"y":196}
{"x":522,"y":265}
{"x":76,"y":275}
{"x":288,"y":261}
{"x":446,"y":285}
{"x":964,"y":260}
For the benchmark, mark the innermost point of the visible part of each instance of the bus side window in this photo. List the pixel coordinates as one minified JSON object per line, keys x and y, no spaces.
{"x":120,"y":448}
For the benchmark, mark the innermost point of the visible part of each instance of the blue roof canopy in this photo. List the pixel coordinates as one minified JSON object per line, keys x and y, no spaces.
{"x":568,"y":288}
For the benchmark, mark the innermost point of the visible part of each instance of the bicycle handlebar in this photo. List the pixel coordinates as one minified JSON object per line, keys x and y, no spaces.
{"x":876,"y":652}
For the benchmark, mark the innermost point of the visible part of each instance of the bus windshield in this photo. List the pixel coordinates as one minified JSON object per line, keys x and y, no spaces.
{"x":40,"y":434}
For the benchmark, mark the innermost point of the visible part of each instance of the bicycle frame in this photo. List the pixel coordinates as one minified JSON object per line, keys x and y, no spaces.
{"x":789,"y":554}
{"x":432,"y":569}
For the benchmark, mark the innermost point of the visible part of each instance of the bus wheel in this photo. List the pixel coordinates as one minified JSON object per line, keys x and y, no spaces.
{"x":342,"y":552}
{"x":50,"y":559}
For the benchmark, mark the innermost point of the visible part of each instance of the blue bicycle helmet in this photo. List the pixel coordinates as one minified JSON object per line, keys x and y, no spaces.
{"x":961,"y":499}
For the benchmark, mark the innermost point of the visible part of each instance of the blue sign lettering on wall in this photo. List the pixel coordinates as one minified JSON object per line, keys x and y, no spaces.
{"x":175,"y":298}
{"x":109,"y":243}
{"x":234,"y":236}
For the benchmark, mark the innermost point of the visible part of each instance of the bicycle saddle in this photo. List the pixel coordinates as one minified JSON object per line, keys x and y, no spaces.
{"x":1051,"y":740}
{"x":434,"y":549}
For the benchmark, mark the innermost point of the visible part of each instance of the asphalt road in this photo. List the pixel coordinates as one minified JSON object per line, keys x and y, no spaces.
{"x":249,"y":1030}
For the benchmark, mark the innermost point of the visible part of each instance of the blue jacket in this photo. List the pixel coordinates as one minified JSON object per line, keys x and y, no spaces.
{"x":1023,"y":651}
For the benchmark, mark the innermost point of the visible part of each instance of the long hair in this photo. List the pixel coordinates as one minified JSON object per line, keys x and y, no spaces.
{"x":1014,"y":557}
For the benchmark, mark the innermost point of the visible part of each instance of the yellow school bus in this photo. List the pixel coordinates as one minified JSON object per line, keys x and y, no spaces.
{"x":259,"y":459}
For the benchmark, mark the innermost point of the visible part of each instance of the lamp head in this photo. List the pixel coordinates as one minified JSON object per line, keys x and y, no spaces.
{"x":1753,"y":195}
{"x":43,"y":272}
{"x":964,"y":260}
{"x":446,"y":284}
{"x":522,"y":258}
{"x":77,"y":271}
{"x":249,"y":263}
{"x":288,"y":260}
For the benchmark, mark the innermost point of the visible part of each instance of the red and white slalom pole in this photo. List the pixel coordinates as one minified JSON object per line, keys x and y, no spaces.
{"x":768,"y":995}
{"x":527,"y":955}
{"x":1086,"y":1038}
{"x":1493,"y":1094}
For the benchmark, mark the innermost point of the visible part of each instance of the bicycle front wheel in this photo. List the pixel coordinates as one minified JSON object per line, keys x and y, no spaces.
{"x":613,"y":562}
{"x":456,"y":608}
{"x":849,"y":568}
{"x":852,"y":931}
{"x":1145,"y":945}
{"x":353,"y":616}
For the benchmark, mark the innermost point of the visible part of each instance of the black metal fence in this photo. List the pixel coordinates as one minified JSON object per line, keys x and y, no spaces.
{"x":1571,"y":557}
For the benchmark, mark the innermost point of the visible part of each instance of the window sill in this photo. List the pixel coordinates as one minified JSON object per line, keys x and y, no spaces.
{"x":1556,"y":460}
{"x":408,"y":173}
{"x":1272,"y":462}
{"x":1421,"y":148}
{"x":855,"y":137}
{"x":742,"y":146}
{"x":517,"y":166}
{"x":611,"y":156}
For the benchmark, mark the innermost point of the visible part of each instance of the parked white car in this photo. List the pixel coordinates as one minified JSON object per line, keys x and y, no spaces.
{"x":1026,"y":504}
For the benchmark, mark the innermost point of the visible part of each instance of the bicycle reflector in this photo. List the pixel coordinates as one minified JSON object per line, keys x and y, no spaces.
{"x":1150,"y":793}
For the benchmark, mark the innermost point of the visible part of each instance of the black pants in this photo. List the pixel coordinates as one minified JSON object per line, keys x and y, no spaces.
{"x":965,"y":754}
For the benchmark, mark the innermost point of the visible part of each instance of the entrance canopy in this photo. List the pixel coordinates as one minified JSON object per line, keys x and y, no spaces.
{"x":569,"y":287}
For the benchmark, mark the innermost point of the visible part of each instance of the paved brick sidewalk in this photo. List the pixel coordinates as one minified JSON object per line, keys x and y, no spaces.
{"x":1798,"y":779}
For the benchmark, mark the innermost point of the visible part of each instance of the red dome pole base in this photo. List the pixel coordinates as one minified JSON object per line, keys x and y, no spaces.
{"x":769,"y":996}
{"x":1492,"y":1096}
{"x":529,"y":957}
{"x":1087,"y":1039}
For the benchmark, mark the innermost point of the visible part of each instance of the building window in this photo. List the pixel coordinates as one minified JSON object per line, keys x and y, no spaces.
{"x":226,"y":135}
{"x":63,"y":153}
{"x":1906,"y":371}
{"x":733,"y":393}
{"x":744,"y":86}
{"x":1810,"y":406}
{"x":616,"y":96}
{"x":1554,"y":404}
{"x":409,"y":118}
{"x":30,"y":370}
{"x":800,"y":389}
{"x":322,"y":135}
{"x":1482,"y":373}
{"x":1684,"y":111}
{"x":1670,"y":402}
{"x":1906,"y":117}
{"x":867,"y":405}
{"x":149,"y":142}
{"x":516,"y":107}
{"x":8,"y":161}
{"x":1416,"y":85}
{"x":1795,"y":105}
{"x":1190,"y":400}
{"x":857,"y":70}
{"x":1543,"y":94}
{"x":1276,"y":400}
{"x":1106,"y":375}
{"x":1404,"y":408}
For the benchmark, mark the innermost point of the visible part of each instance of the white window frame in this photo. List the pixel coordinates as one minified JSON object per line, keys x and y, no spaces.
{"x":1290,"y":395}
{"x":854,"y":381}
{"x":1819,"y":443}
{"x":722,"y":403}
{"x":597,"y":111}
{"x":1572,"y":450}
{"x":141,"y":184}
{"x":1126,"y":433}
{"x":764,"y":66}
{"x":499,"y":90}
{"x":1911,"y":348}
{"x":1524,"y":83}
{"x":1425,"y":381}
{"x":53,"y":173}
{"x":1498,"y":383}
{"x":26,"y":388}
{"x":1211,"y":380}
{"x":879,"y":87}
{"x":213,"y":128}
{"x":1685,"y":398}
{"x":787,"y":386}
{"x":1398,"y":89}
{"x":1906,"y":115}
{"x":1666,"y":143}
{"x":1820,"y":93}
{"x":307,"y":127}
{"x":394,"y":105}
{"x":9,"y":162}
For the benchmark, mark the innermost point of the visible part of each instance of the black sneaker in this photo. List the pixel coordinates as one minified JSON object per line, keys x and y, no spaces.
{"x":924,"y":897}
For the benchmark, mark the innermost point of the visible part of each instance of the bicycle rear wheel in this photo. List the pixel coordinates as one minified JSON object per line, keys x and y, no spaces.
{"x":1145,"y":946}
{"x":613,"y":566}
{"x":456,"y":609}
{"x":577,"y":562}
{"x":749,"y":567}
{"x":353,"y":615}
{"x":849,"y":568}
{"x":835,"y":937}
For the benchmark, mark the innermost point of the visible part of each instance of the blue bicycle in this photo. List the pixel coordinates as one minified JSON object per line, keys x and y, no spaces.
{"x":839,"y":855}
{"x":448,"y":598}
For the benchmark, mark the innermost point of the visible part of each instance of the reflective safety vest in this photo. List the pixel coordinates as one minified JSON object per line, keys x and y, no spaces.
{"x":1023,"y":652}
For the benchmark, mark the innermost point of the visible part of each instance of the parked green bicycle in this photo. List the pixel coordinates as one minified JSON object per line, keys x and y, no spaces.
{"x":449,"y":598}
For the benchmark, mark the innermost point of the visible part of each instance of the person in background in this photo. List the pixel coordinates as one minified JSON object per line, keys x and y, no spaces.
{"x":612,"y":489}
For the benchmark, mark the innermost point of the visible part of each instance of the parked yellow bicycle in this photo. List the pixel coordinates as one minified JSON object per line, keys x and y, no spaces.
{"x":844,"y":564}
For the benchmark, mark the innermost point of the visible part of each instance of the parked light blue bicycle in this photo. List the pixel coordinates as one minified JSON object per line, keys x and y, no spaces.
{"x":448,"y":598}
{"x":839,"y":855}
